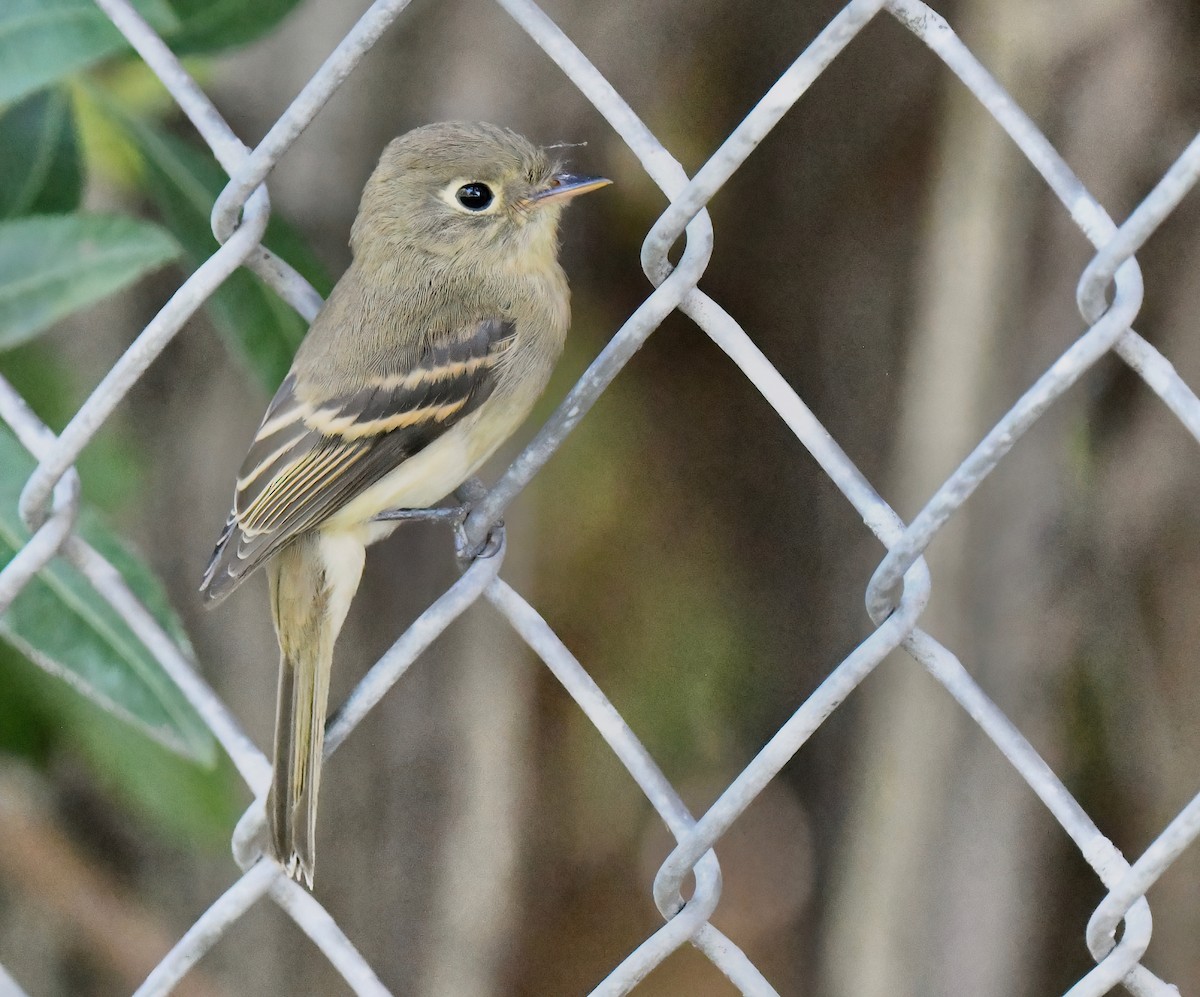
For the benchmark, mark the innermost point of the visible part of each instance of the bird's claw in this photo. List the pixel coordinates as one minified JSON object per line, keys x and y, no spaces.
{"x":469,"y":493}
{"x":467,"y":550}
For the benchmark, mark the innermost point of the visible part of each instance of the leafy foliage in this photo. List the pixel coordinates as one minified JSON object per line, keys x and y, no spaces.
{"x":53,"y":265}
{"x":41,"y":41}
{"x":39,"y":158}
{"x":60,"y":622}
{"x":261,"y":331}
{"x":69,"y":116}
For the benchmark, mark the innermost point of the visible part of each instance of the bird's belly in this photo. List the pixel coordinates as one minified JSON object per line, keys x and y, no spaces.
{"x":430,"y":475}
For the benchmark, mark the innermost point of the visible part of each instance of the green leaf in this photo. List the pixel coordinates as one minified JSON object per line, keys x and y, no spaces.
{"x":42,"y":41}
{"x":53,"y":265}
{"x":39,"y":158}
{"x":260,"y":329}
{"x":40,"y":718}
{"x":192,"y":804}
{"x":26,"y":726}
{"x":60,"y":623}
{"x":111,"y":468}
{"x":213,"y":25}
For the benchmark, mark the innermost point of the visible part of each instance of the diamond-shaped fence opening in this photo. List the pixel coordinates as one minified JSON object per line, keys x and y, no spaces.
{"x":1110,"y":296}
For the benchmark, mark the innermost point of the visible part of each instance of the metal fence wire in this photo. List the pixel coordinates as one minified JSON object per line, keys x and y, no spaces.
{"x":897,"y":593}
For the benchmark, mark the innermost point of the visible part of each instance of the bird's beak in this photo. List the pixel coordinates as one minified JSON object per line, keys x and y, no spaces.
{"x":564,"y":186}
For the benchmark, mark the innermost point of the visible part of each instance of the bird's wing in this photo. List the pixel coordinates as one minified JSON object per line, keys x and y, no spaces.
{"x":310,"y":458}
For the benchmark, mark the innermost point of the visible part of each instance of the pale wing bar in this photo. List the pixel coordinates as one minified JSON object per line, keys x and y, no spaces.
{"x":308,"y":460}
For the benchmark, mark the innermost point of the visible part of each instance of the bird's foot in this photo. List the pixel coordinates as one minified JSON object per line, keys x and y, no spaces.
{"x":437,"y":514}
{"x":470,"y":493}
{"x":467,"y":550}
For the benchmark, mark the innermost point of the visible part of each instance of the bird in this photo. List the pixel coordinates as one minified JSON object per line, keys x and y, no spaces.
{"x":429,"y":353}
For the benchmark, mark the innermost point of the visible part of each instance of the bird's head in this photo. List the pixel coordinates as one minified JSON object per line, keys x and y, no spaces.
{"x":465,"y":190}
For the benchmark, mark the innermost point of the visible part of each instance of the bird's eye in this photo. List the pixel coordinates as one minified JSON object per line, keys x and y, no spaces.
{"x":474,"y":196}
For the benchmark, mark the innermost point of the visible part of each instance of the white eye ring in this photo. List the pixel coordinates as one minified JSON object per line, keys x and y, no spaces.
{"x":471,"y":197}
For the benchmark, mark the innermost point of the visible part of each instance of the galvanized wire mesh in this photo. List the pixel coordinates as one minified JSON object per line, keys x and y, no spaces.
{"x":896,"y":595}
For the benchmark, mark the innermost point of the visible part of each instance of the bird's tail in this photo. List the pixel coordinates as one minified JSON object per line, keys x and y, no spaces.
{"x":313,"y":580}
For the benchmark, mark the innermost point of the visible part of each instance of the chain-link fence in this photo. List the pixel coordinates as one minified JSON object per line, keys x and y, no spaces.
{"x":896,"y":596}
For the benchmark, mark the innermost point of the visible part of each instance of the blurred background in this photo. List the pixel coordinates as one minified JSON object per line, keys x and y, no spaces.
{"x":910,"y":275}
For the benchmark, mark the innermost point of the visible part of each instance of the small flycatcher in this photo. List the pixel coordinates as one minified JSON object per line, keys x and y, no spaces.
{"x":429,"y":353}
